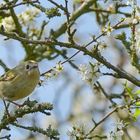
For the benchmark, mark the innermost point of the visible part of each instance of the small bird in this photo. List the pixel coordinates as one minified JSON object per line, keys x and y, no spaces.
{"x":20,"y":81}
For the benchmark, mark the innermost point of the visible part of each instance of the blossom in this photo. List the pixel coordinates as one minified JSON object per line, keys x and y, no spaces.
{"x":33,"y":33}
{"x":111,"y":8}
{"x":59,"y":67}
{"x":24,"y":18}
{"x":118,"y":131}
{"x":135,"y":21}
{"x":8,"y":24}
{"x":28,"y":15}
{"x":120,"y":125}
{"x":48,"y":75}
{"x":116,"y":135}
{"x":102,"y":46}
{"x":107,"y":29}
{"x":89,"y":73}
{"x":55,"y":71}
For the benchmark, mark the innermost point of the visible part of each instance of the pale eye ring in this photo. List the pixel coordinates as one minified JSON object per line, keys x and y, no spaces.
{"x":27,"y":67}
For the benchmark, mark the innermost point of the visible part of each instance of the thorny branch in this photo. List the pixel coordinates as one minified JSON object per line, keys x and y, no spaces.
{"x":27,"y":108}
{"x":121,"y":73}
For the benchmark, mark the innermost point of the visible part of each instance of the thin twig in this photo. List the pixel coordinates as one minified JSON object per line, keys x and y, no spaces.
{"x":9,"y":5}
{"x":104,"y":92}
{"x":39,"y":130}
{"x":102,"y":120}
{"x":57,"y":5}
{"x":6,"y":137}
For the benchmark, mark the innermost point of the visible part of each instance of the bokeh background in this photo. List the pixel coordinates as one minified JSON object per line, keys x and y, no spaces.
{"x":75,"y":102}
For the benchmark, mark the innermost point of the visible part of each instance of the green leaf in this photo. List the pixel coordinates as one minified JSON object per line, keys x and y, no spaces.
{"x":123,"y":39}
{"x":137,"y":92}
{"x":92,"y":66}
{"x":52,"y":12}
{"x":137,"y":112}
{"x":137,"y":103}
{"x":129,"y":91}
{"x":0,"y":19}
{"x":121,"y":36}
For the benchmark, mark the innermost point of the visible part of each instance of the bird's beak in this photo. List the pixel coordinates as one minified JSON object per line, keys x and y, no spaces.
{"x":34,"y":66}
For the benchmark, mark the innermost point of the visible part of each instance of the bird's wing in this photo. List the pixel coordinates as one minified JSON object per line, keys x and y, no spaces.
{"x":8,"y":76}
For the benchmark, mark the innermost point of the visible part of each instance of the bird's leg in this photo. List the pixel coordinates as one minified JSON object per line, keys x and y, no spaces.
{"x":14,"y":103}
{"x":6,"y":107}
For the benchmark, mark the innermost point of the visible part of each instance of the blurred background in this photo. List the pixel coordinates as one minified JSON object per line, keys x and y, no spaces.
{"x":75,"y":102}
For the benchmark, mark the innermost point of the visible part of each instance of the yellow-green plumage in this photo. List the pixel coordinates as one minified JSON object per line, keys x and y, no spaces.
{"x":20,"y":81}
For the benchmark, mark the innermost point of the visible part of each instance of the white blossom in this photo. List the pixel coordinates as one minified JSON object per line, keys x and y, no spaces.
{"x":102,"y":46}
{"x":135,"y":21}
{"x":83,"y":67}
{"x":108,"y":29}
{"x":8,"y":24}
{"x":111,"y":8}
{"x":24,"y":18}
{"x":59,"y":67}
{"x":48,"y":75}
{"x":55,"y":71}
{"x":28,"y":15}
{"x":90,"y":74}
{"x":118,"y":131}
{"x":120,"y":124}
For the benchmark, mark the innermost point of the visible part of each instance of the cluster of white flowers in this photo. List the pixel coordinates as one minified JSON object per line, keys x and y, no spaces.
{"x":8,"y":24}
{"x":25,"y":18}
{"x":79,"y":130}
{"x":33,"y":32}
{"x":102,"y":46}
{"x":111,"y":8}
{"x":107,"y":29}
{"x":137,"y":15}
{"x":90,"y":73}
{"x":134,"y":19}
{"x":118,"y":131}
{"x":28,"y":16}
{"x":55,"y":71}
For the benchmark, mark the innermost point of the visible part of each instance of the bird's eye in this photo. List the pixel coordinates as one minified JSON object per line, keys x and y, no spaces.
{"x":27,"y":67}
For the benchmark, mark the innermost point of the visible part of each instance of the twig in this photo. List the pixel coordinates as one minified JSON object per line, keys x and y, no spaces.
{"x":121,"y":73}
{"x":102,"y":120}
{"x":69,"y":24}
{"x":13,"y":5}
{"x":6,"y":137}
{"x":18,"y":28}
{"x":104,"y":92}
{"x":82,"y":9}
{"x":22,"y":111}
{"x":52,"y":134}
{"x":3,"y":65}
{"x":57,"y":5}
